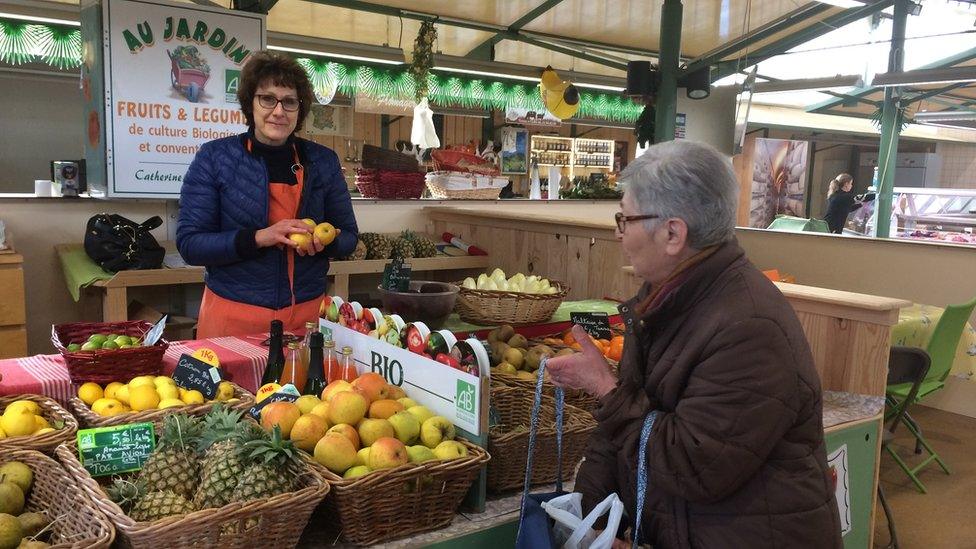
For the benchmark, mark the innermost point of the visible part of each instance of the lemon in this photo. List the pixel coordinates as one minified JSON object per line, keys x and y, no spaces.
{"x":305,"y":403}
{"x":143,"y":398}
{"x":141,"y":381}
{"x":90,"y":392}
{"x":181,"y":391}
{"x":18,"y":423}
{"x":40,"y":423}
{"x":28,"y":405}
{"x":101,"y":403}
{"x":163,"y":380}
{"x":193,"y":397}
{"x":167,"y":392}
{"x":225,"y":391}
{"x":3,"y":434}
{"x":112,"y":388}
{"x":122,"y":395}
{"x":170,"y":403}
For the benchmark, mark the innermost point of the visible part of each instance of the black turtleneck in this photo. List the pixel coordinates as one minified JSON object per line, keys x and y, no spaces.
{"x":279,"y":160}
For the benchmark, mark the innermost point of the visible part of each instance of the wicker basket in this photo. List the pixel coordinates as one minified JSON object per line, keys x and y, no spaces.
{"x":390,"y":185}
{"x":509,"y":441}
{"x":280,"y":519}
{"x":574,"y":397}
{"x":488,"y":307}
{"x":407,"y":500}
{"x":464,"y":186}
{"x":107,"y":366}
{"x":76,"y":522}
{"x":52,"y":412}
{"x":88,"y":418}
{"x":460,"y":161}
{"x":378,"y":158}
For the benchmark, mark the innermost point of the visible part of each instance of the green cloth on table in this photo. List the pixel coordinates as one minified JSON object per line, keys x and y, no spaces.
{"x":455,"y":324}
{"x":80,"y":271}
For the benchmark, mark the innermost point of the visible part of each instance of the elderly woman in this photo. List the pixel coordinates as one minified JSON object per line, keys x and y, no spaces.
{"x":244,"y":195}
{"x":736,"y":457}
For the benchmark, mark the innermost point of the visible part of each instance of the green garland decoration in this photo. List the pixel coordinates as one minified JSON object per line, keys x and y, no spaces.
{"x":60,"y":47}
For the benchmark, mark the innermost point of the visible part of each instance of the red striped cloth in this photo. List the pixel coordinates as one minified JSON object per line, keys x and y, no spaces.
{"x":241,"y":359}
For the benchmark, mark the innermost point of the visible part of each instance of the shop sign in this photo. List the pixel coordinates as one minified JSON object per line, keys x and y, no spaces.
{"x":163,"y":77}
{"x":448,"y":392}
{"x":531,"y":117}
{"x":383,"y":105}
{"x":119,"y":449}
{"x":680,"y":125}
{"x":839,"y":471}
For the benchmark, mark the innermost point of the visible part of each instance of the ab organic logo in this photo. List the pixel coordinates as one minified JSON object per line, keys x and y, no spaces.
{"x":464,"y":399}
{"x":232,"y":80}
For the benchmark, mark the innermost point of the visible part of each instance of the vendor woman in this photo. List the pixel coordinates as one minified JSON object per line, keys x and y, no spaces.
{"x":244,"y":195}
{"x":716,"y":365}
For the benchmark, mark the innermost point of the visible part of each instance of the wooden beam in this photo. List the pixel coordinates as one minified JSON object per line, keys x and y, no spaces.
{"x":517,"y":25}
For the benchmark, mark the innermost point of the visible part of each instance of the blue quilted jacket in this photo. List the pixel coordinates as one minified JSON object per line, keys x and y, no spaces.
{"x":226,"y":191}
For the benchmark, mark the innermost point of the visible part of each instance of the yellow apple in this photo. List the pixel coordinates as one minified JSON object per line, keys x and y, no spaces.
{"x":305,"y":403}
{"x":335,"y":452}
{"x":420,"y":453}
{"x":362,"y":456}
{"x":422,"y":413}
{"x":347,"y":407}
{"x":450,"y":449}
{"x":406,"y":426}
{"x":373,"y":429}
{"x":307,"y":432}
{"x":335,"y":388}
{"x":347,"y":431}
{"x":387,"y":453}
{"x":407,"y":402}
{"x":436,"y":430}
{"x":356,"y":471}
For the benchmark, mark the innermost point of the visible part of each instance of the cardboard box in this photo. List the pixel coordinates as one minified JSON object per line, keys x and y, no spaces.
{"x":178,"y":328}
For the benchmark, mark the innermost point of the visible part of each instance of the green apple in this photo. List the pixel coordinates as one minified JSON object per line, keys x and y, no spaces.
{"x":422,"y":413}
{"x":111,"y":337}
{"x":420,"y":453}
{"x":356,"y":471}
{"x":373,"y":429}
{"x":110,"y":344}
{"x":406,"y":426}
{"x":436,"y":430}
{"x":407,"y":402}
{"x":122,"y":340}
{"x":450,"y":449}
{"x":97,"y":339}
{"x":91,"y":346}
{"x":362,"y":456}
{"x":74,"y":347}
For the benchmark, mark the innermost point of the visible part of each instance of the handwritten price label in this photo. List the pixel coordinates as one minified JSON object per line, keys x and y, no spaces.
{"x":206,"y":355}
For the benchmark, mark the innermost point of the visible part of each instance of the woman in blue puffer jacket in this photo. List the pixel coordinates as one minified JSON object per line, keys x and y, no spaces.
{"x":244,"y":195}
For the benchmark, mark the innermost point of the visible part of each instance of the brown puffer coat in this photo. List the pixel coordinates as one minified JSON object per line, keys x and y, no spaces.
{"x":736,"y":457}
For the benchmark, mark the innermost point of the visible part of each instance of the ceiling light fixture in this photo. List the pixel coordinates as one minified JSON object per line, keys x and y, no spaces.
{"x":839,"y":81}
{"x":335,"y":55}
{"x":944,"y":116}
{"x":33,"y":19}
{"x":920,"y":77}
{"x":843,"y":3}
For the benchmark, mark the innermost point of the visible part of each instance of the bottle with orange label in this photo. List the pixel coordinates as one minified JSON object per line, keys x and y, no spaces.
{"x":296,"y":370}
{"x":330,"y":361}
{"x":347,"y":365}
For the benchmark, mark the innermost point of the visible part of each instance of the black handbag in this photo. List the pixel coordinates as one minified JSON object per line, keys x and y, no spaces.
{"x":117,"y":243}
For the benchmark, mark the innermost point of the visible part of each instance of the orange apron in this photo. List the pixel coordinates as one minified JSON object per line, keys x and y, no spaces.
{"x":223,"y":317}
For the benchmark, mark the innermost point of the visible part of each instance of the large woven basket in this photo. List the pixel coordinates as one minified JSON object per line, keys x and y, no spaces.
{"x":280,"y":520}
{"x":460,"y":161}
{"x":509,"y":440}
{"x":492,"y":307}
{"x":464,"y":186}
{"x":378,"y":158}
{"x":389,"y":185}
{"x":53,"y":413}
{"x":76,"y":522}
{"x":88,"y":418}
{"x":106,"y":366}
{"x":574,"y":397}
{"x":407,"y":500}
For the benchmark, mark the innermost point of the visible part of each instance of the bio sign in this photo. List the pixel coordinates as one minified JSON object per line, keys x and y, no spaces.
{"x":168,"y":75}
{"x":446,"y":391}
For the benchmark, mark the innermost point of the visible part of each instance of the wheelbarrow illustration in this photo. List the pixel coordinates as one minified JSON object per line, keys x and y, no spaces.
{"x":188,"y":81}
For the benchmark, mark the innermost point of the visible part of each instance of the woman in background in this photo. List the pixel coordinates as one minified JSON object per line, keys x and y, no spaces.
{"x":840,"y":202}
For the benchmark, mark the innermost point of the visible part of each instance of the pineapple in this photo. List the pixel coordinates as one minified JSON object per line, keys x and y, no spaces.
{"x":147,"y":507}
{"x":377,"y":245}
{"x":270,"y":471}
{"x":221,"y":447}
{"x":402,"y":248}
{"x":422,"y":246}
{"x":359,"y":253}
{"x":174,"y":466}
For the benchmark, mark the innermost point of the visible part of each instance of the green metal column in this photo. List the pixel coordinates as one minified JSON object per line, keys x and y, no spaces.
{"x":667,"y":92}
{"x":891,"y":120}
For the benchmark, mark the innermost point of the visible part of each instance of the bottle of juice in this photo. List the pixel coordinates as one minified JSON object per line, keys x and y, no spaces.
{"x":310,"y":328}
{"x":348,"y":365}
{"x":330,"y":362}
{"x":296,"y":370}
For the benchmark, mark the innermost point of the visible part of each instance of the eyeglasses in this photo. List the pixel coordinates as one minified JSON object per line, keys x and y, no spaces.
{"x":622,"y":219}
{"x":270,"y":102}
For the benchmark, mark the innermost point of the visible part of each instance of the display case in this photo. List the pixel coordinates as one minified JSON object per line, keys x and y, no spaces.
{"x":582,"y":156}
{"x":552,"y":151}
{"x":937,"y":215}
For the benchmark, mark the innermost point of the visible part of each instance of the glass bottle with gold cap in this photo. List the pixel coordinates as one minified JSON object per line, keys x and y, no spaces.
{"x":295,"y":368}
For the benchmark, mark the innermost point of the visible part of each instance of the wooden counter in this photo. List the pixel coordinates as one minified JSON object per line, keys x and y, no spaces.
{"x":13,"y":310}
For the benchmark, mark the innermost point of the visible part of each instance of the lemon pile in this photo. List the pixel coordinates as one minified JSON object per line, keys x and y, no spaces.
{"x":23,"y":418}
{"x":145,"y":393}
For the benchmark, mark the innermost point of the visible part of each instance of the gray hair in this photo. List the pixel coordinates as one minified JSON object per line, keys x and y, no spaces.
{"x":689,"y":181}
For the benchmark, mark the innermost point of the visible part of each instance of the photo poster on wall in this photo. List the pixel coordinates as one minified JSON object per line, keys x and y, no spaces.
{"x":329,"y":120}
{"x":514,"y":152}
{"x":779,"y":180}
{"x":160,"y":79}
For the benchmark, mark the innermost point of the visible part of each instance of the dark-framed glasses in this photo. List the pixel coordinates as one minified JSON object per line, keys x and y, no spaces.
{"x":270,"y":102}
{"x":622,"y":219}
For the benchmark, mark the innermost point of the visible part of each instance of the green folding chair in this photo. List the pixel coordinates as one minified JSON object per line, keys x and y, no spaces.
{"x":941,"y":350}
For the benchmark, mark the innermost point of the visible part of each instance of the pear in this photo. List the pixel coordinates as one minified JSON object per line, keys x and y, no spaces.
{"x":504,"y":332}
{"x":518,"y":340}
{"x":469,"y":283}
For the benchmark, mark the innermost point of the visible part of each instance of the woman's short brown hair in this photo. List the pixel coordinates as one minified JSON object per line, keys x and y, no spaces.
{"x":280,"y":70}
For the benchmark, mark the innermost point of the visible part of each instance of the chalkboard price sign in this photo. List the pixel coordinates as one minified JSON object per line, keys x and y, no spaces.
{"x":192,"y":373}
{"x":595,"y":324}
{"x":396,"y":276}
{"x":255,"y":410}
{"x":120,"y":449}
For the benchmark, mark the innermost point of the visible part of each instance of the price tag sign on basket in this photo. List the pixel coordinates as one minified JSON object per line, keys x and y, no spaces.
{"x":120,"y":449}
{"x":192,"y":373}
{"x":595,"y":324}
{"x":283,"y":395}
{"x":396,"y":276}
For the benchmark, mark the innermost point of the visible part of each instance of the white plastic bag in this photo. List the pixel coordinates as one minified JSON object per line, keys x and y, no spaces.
{"x":575,"y":531}
{"x":422,"y":133}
